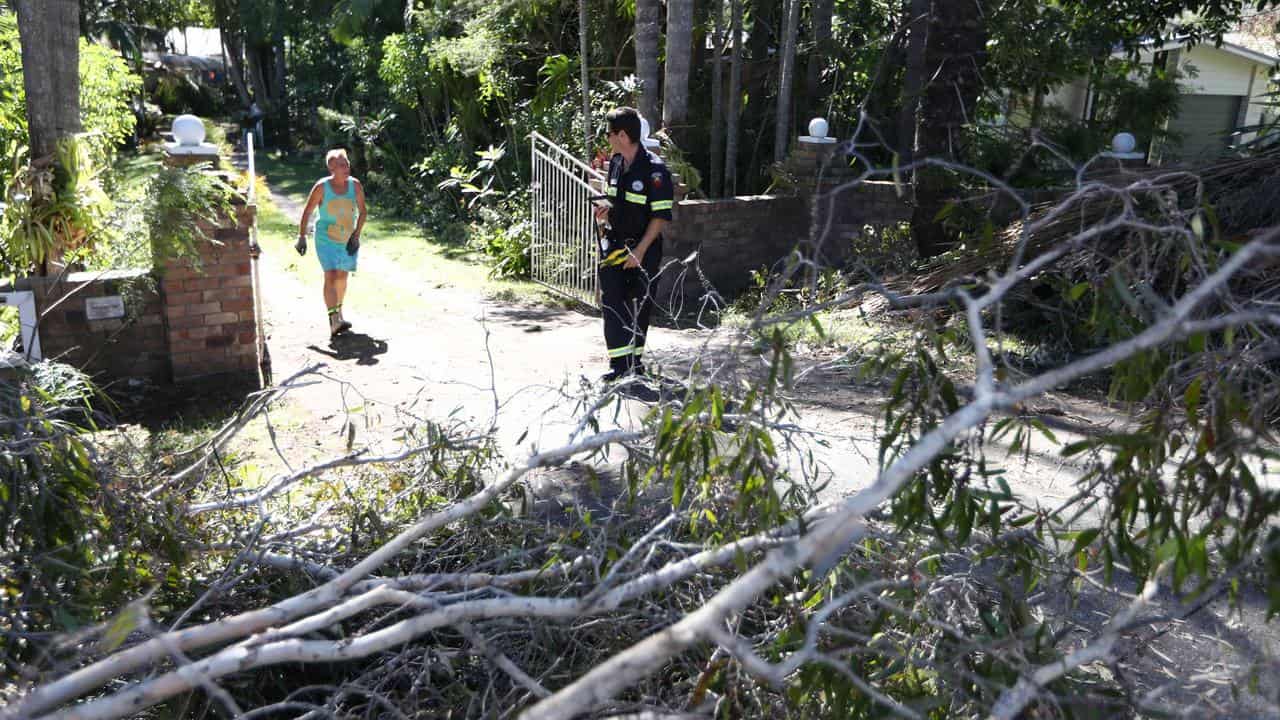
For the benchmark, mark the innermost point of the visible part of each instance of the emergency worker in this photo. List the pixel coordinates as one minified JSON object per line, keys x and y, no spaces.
{"x":639,"y":198}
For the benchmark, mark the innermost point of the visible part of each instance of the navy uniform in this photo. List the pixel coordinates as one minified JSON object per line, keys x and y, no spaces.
{"x":638,"y":194}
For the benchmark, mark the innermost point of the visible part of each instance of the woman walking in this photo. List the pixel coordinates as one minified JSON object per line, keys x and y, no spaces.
{"x":340,"y":201}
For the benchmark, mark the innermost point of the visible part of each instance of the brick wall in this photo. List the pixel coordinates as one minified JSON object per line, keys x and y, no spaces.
{"x":208,"y":305}
{"x":731,"y":237}
{"x":843,"y":209}
{"x":185,"y":319}
{"x":734,"y":236}
{"x":133,"y":346}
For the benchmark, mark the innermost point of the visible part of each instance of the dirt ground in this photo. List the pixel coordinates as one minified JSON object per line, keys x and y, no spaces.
{"x":525,"y":369}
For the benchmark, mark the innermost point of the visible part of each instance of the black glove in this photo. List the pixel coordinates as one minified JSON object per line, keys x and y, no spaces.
{"x":353,"y":245}
{"x":301,"y":245}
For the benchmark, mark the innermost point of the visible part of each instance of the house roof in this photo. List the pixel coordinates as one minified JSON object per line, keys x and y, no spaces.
{"x":1261,"y":58}
{"x":183,"y":62}
{"x":1263,"y":44}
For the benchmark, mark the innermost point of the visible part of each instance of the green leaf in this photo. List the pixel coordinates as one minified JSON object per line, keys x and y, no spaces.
{"x":817,"y":327}
{"x":1192,"y":397}
{"x":1198,"y":557}
{"x":1196,"y":342}
{"x":1083,"y":539}
{"x":1077,"y":291}
{"x":1038,"y":424}
{"x":966,"y":511}
{"x":125,"y":622}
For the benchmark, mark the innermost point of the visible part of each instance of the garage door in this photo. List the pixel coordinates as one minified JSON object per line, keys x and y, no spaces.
{"x":1203,"y":125}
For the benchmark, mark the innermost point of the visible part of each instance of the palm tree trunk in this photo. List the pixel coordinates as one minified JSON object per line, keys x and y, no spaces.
{"x":735,"y":101}
{"x":954,"y":59}
{"x":717,"y":100}
{"x":49,"y":32}
{"x":786,"y":78}
{"x":821,"y":21}
{"x":917,"y":20}
{"x":648,"y":28}
{"x":675,"y":87}
{"x":586,"y":89}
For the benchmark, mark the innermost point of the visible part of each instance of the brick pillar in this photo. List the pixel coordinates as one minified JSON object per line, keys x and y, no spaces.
{"x":208,"y":302}
{"x":177,"y":158}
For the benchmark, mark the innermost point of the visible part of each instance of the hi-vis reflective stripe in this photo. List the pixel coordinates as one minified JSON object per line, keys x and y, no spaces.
{"x":622,"y":351}
{"x":617,"y":257}
{"x":610,"y":190}
{"x":639,"y":350}
{"x":661,"y":204}
{"x":637,"y":198}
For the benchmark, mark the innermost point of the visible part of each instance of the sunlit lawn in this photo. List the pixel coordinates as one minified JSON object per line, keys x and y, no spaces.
{"x":422,"y":260}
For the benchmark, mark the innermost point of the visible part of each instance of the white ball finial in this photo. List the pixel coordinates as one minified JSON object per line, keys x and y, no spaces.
{"x":818,"y":130}
{"x":188,"y":130}
{"x":1123,"y":143}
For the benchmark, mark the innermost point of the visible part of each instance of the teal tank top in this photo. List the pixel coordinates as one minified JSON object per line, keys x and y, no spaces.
{"x":336,"y":219}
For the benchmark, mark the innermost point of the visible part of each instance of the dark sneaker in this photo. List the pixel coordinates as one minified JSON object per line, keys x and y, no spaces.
{"x":343,"y":326}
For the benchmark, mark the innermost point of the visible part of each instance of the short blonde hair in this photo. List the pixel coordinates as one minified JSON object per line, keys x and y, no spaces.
{"x":335,"y":153}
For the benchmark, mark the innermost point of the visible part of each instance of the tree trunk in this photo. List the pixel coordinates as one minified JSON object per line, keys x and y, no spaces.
{"x":648,"y":28}
{"x":233,"y":54}
{"x":717,"y":100}
{"x":280,"y":91}
{"x":228,"y":19}
{"x":786,"y":78}
{"x":257,"y":78}
{"x":917,"y":19}
{"x":675,"y":88}
{"x":954,"y":59}
{"x":821,"y":20}
{"x":586,"y":88}
{"x":49,"y":31}
{"x":735,"y":101}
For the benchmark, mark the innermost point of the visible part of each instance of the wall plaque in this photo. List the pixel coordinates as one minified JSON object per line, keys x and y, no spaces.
{"x":104,"y":308}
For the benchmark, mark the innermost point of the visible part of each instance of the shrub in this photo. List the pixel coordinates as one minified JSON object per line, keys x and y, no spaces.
{"x":178,"y":201}
{"x":506,"y":245}
{"x":39,"y":215}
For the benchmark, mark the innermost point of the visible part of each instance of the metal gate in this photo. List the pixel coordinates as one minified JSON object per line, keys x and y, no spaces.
{"x":563,"y":251}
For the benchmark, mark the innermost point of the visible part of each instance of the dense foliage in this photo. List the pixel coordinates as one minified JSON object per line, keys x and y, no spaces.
{"x":65,"y":208}
{"x":106,"y":87}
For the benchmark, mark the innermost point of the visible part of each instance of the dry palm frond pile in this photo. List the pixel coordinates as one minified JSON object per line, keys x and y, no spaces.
{"x":1243,"y":195}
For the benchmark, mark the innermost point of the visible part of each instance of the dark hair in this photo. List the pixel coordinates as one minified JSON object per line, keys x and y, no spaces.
{"x":626,"y":119}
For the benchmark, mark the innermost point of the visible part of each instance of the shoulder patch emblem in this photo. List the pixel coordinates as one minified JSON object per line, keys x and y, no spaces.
{"x":637,"y":185}
{"x":656,"y":179}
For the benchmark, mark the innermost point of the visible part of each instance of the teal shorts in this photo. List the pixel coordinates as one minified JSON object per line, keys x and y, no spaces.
{"x":333,"y":256}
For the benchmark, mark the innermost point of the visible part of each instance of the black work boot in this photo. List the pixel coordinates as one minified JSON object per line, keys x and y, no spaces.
{"x":619,"y":367}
